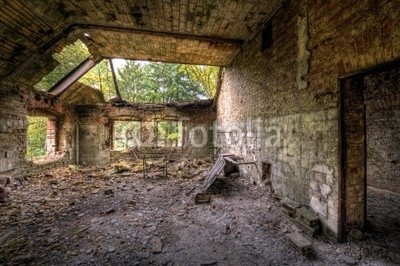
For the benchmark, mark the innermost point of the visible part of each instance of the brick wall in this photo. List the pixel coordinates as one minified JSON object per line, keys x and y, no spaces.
{"x":291,"y":91}
{"x":13,"y":126}
{"x":281,"y":121}
{"x":61,"y":129}
{"x":382,"y":98}
{"x":15,"y":105}
{"x":95,"y":126}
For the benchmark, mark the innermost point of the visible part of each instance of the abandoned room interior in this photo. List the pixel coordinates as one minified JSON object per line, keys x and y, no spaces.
{"x":198,"y":132}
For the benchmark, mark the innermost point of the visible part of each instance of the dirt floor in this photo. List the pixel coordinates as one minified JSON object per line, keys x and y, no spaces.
{"x":87,"y":216}
{"x":383,"y":218}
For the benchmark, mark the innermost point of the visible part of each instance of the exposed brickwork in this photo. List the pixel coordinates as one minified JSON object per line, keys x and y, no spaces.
{"x":354,"y":150}
{"x":162,"y":48}
{"x":95,"y":126}
{"x":349,"y":36}
{"x":298,"y":136}
{"x":382,"y":97}
{"x":62,"y":120}
{"x":15,"y":105}
{"x":295,"y":89}
{"x":34,"y":27}
{"x":51,"y":136}
{"x":13,"y":126}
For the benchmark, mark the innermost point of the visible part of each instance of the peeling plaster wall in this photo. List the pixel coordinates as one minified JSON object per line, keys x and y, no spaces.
{"x":285,"y":101}
{"x":95,"y":127}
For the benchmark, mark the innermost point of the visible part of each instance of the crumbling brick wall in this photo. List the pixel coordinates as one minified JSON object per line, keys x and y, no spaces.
{"x":13,"y":126}
{"x":15,"y":105}
{"x":382,"y":100}
{"x":285,"y":101}
{"x":61,"y":128}
{"x":95,"y":126}
{"x":349,"y":37}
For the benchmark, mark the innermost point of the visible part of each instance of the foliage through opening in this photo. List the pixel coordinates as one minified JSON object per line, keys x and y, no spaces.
{"x":69,"y":58}
{"x":169,"y":133}
{"x":126,"y":135}
{"x":155,"y":82}
{"x":100,"y":78}
{"x":37,"y":133}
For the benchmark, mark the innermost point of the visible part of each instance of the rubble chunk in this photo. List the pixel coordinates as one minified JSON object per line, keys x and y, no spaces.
{"x":302,"y":244}
{"x":307,"y":216}
{"x":202,"y":198}
{"x":157,"y":245}
{"x":347,"y":260}
{"x":5,"y":181}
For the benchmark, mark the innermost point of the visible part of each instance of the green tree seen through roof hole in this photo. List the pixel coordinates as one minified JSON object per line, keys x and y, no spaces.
{"x":154,"y":82}
{"x":69,"y":58}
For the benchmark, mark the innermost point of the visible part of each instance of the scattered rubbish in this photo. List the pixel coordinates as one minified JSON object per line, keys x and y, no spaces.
{"x":304,"y":218}
{"x":138,"y":222}
{"x":157,"y":245}
{"x":202,"y":198}
{"x":300,"y":243}
{"x":355,"y":235}
{"x":5,"y":182}
{"x":108,"y":192}
{"x":228,"y":163}
{"x":109,"y":211}
{"x":347,"y":260}
{"x":214,"y":171}
{"x":118,"y":168}
{"x":290,"y":207}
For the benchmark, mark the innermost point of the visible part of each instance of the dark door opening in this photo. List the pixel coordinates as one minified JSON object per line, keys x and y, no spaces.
{"x":381,"y":94}
{"x":370,"y":155}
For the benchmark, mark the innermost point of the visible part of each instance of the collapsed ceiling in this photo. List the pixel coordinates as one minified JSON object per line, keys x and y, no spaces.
{"x":184,"y":31}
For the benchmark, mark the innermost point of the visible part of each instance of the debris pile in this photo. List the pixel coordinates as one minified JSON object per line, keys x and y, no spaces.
{"x":303,"y":217}
{"x":79,"y":216}
{"x":5,"y":190}
{"x":188,"y":168}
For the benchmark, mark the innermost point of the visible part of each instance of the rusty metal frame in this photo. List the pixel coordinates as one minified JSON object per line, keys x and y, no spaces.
{"x":149,"y":156}
{"x":66,"y":82}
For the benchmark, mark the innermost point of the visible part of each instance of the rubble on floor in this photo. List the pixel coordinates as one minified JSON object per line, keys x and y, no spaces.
{"x":303,"y":217}
{"x":5,"y":189}
{"x":73,"y":216}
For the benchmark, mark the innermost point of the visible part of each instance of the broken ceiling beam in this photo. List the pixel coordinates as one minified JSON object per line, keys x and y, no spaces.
{"x":74,"y":75}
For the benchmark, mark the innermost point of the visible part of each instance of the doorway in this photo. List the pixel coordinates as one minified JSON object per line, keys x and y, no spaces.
{"x":370,"y":154}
